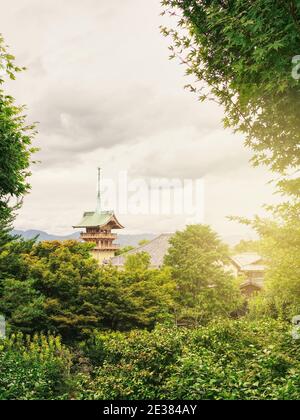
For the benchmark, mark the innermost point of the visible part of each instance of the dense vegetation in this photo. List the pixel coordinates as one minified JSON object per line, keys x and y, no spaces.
{"x":15,"y":147}
{"x":281,"y":245}
{"x":204,"y":289}
{"x":119,"y":327}
{"x":58,"y":287}
{"x":35,"y":368}
{"x":79,"y":331}
{"x":225,"y":360}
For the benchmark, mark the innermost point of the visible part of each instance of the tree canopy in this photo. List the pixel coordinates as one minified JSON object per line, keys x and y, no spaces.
{"x":58,"y":287}
{"x":205,"y":289}
{"x":15,"y":146}
{"x":280,"y":247}
{"x":243,"y":54}
{"x":243,"y":51}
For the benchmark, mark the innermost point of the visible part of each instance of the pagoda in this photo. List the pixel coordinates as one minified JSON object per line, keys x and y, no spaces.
{"x":98,"y":227}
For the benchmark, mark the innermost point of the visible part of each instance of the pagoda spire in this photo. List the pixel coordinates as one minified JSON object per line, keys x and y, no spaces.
{"x":98,"y":208}
{"x":98,"y":227}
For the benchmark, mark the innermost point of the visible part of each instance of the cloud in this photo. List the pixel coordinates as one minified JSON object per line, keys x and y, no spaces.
{"x":78,"y":121}
{"x":100,"y":84}
{"x":97,"y":78}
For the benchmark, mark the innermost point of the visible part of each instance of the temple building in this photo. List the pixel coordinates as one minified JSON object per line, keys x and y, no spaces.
{"x":248,"y":266}
{"x":99,"y":226}
{"x":252,"y":267}
{"x":156,"y":249}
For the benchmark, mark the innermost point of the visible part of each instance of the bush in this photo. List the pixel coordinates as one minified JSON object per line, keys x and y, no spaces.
{"x":134,"y":365}
{"x":58,"y":287}
{"x":237,"y":360}
{"x":33,"y":369}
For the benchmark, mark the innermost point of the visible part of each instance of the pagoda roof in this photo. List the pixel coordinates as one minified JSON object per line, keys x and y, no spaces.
{"x":99,"y":219}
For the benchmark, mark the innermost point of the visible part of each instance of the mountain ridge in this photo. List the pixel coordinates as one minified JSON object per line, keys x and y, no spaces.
{"x":123,"y":240}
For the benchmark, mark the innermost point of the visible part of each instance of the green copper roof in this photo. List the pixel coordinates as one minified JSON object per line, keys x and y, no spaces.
{"x":95,"y":219}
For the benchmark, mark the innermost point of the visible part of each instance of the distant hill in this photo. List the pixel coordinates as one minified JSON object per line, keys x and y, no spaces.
{"x":44,"y":236}
{"x":233,"y":240}
{"x":123,"y":240}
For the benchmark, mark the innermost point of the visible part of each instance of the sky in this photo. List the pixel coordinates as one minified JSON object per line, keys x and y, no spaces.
{"x":101,"y":87}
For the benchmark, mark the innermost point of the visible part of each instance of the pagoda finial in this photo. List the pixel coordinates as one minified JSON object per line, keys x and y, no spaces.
{"x":98,"y":209}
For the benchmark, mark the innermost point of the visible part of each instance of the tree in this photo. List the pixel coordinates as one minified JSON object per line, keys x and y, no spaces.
{"x":205,"y":289}
{"x":15,"y":148}
{"x":243,"y":51}
{"x":136,"y":297}
{"x":246,"y":246}
{"x":124,"y":250}
{"x":58,"y":287}
{"x":44,"y":287}
{"x":280,"y":246}
{"x":144,"y":242}
{"x":137,"y":262}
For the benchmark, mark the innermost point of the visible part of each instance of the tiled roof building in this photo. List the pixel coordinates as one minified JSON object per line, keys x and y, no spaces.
{"x":157,"y":249}
{"x":252,"y":267}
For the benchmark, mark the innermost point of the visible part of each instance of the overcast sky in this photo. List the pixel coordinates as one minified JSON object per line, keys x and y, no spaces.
{"x":104,"y":92}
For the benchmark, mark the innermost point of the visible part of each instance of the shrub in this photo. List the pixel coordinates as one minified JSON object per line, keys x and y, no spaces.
{"x":238,"y":360}
{"x":33,"y":369}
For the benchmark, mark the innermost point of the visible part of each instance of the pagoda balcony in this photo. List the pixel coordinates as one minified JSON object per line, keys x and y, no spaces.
{"x":87,"y":236}
{"x":111,"y":247}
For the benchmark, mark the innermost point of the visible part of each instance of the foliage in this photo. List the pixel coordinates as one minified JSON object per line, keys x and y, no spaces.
{"x":137,"y":262}
{"x":231,"y":360}
{"x":15,"y":148}
{"x":124,"y":249}
{"x":136,"y":297}
{"x":243,"y":51}
{"x":280,"y":242}
{"x":43,"y":288}
{"x":34,"y":369}
{"x":241,"y":55}
{"x":226,"y":360}
{"x":58,"y":287}
{"x":205,"y":289}
{"x":246,"y":246}
{"x":144,"y":242}
{"x":128,"y":248}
